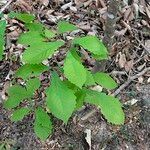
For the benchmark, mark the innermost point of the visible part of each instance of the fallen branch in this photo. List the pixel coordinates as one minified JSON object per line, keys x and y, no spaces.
{"x":148,"y":51}
{"x":5,"y":6}
{"x":130,"y":31}
{"x":130,"y":80}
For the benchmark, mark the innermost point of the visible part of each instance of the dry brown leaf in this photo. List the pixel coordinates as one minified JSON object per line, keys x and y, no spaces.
{"x":58,"y":2}
{"x":14,"y":34}
{"x":74,"y":9}
{"x":87,"y":3}
{"x":122,"y":60}
{"x":100,"y":3}
{"x":142,"y":2}
{"x":45,"y":2}
{"x":147,"y":12}
{"x":128,"y":15}
{"x":145,"y":23}
{"x":147,"y":45}
{"x":121,"y":32}
{"x":142,"y":9}
{"x":79,"y":2}
{"x":136,"y":9}
{"x":140,"y":79}
{"x":24,"y":5}
{"x":66,"y":6}
{"x":5,"y":88}
{"x":2,"y":2}
{"x":139,"y":68}
{"x":97,"y":88}
{"x":128,"y":65}
{"x":88,"y":137}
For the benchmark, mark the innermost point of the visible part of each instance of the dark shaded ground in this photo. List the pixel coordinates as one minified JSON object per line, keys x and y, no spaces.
{"x":135,"y":133}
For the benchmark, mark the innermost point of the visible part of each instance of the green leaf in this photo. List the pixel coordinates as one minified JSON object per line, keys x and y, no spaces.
{"x":24,"y":17}
{"x":28,"y":70}
{"x":32,"y":85}
{"x":89,"y":79}
{"x":32,"y":38}
{"x":80,"y":98}
{"x":92,"y":44}
{"x":71,"y":86}
{"x":1,"y":15}
{"x":110,"y":106}
{"x":64,"y":26}
{"x":18,"y":93}
{"x":105,"y":80}
{"x":74,"y":70}
{"x":2,"y":39}
{"x":19,"y":114}
{"x":60,"y":99}
{"x":12,"y":14}
{"x":100,"y":57}
{"x":49,"y":33}
{"x":34,"y":26}
{"x":36,"y":54}
{"x":42,"y":124}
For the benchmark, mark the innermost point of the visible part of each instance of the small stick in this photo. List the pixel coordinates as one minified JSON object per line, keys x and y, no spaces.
{"x":130,"y":80}
{"x":142,"y":45}
{"x":5,"y":6}
{"x":130,"y":30}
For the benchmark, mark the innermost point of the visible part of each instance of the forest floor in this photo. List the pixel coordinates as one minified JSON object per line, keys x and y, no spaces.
{"x":129,"y":57}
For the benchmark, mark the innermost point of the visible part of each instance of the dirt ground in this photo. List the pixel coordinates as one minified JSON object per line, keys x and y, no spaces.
{"x":129,"y":56}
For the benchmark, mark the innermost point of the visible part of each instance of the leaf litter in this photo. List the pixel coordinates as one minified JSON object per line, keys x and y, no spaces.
{"x":130,"y":55}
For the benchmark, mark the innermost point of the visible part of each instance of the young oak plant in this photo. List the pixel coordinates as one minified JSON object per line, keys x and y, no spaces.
{"x":63,"y":96}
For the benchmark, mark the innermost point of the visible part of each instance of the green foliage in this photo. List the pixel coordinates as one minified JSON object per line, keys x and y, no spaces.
{"x":2,"y":39}
{"x":60,"y":99}
{"x":39,"y":49}
{"x":49,"y":33}
{"x":72,"y":69}
{"x":69,"y":87}
{"x":24,"y":17}
{"x":29,"y":70}
{"x":37,"y":53}
{"x":89,"y":79}
{"x":31,"y":38}
{"x":105,"y":80}
{"x":64,"y":26}
{"x":34,"y":26}
{"x":18,"y":93}
{"x":42,"y":124}
{"x":110,"y":106}
{"x":19,"y":114}
{"x":92,"y":44}
{"x":80,"y":96}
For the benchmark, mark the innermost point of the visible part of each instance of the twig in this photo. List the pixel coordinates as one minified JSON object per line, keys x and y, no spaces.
{"x":5,"y":6}
{"x":118,"y":72}
{"x":130,"y":30}
{"x":130,"y":80}
{"x":142,"y":44}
